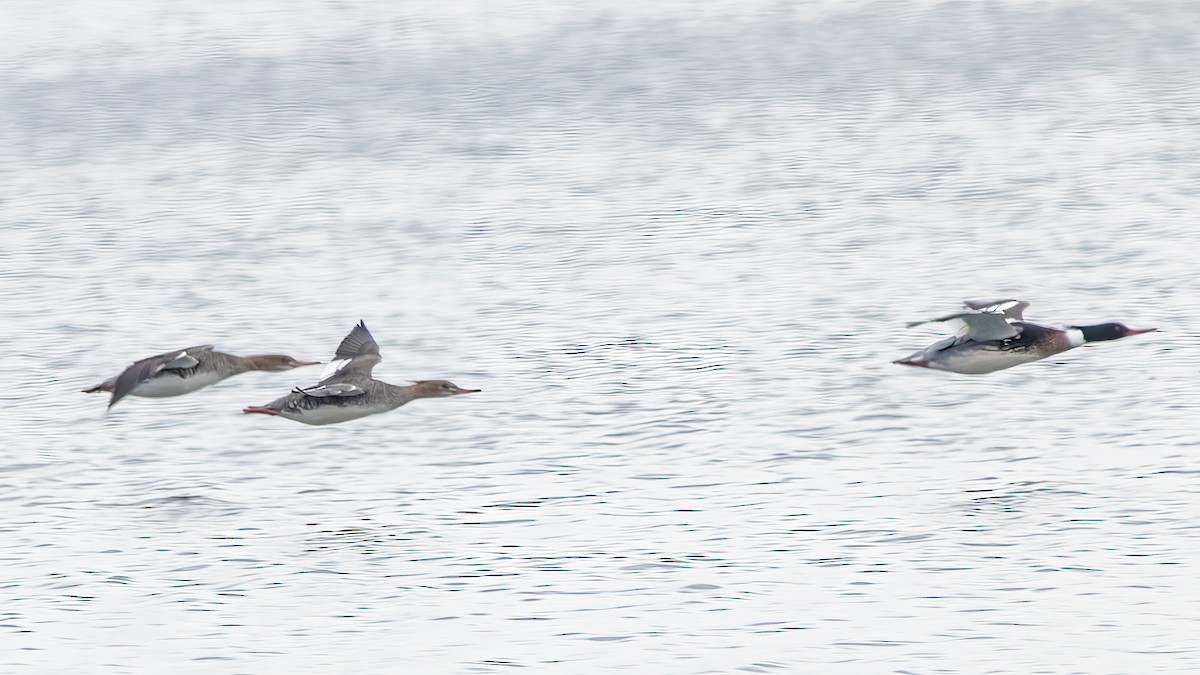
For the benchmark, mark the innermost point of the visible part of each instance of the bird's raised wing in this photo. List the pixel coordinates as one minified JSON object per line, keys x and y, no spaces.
{"x":357,"y":354}
{"x":1012,"y":309}
{"x":357,"y":343}
{"x":982,"y":326}
{"x":987,"y":326}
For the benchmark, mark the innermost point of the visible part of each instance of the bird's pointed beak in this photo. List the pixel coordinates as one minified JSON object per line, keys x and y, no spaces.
{"x":1139,"y":331}
{"x":460,"y":390}
{"x":912,"y":362}
{"x":301,"y":364}
{"x":261,"y":410}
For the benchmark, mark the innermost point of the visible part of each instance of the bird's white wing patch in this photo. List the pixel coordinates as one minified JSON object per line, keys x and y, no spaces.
{"x":1011,"y":309}
{"x":332,"y":367}
{"x":990,"y":319}
{"x":986,"y":326}
{"x":335,"y":389}
{"x":181,"y":361}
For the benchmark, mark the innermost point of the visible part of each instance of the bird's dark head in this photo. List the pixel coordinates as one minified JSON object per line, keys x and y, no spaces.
{"x":439,"y":389}
{"x":1109,"y":331}
{"x":278,"y":362}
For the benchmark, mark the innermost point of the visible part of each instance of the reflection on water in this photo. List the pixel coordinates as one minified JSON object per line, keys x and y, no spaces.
{"x":675,"y":246}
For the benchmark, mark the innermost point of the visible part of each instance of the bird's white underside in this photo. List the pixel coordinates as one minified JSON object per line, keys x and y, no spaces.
{"x":170,"y":385}
{"x":981,"y":361}
{"x":333,"y":414}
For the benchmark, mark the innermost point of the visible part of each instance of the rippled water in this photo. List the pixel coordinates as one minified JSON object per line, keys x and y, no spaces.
{"x":675,"y":245}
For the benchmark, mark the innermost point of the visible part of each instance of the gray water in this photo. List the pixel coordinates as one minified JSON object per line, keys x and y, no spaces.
{"x":676,"y":245}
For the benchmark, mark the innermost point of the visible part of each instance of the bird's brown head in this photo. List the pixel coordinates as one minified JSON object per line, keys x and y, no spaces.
{"x":439,"y":389}
{"x":278,"y":362}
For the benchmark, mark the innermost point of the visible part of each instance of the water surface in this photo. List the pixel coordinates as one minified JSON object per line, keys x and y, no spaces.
{"x":676,"y":246}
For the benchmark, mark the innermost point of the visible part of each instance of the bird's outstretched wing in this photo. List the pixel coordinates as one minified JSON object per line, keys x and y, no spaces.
{"x":357,"y":343}
{"x":978,"y":326}
{"x":1012,"y":309}
{"x":357,"y":354}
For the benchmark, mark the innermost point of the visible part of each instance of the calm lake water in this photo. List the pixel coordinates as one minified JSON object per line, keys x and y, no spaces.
{"x":676,"y":245}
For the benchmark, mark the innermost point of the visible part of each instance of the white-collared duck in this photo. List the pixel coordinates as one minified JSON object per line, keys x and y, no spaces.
{"x":351,"y":392}
{"x":994,"y":335}
{"x":185,"y":370}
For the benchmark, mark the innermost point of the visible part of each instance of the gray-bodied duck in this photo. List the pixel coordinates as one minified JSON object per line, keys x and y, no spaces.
{"x":183,"y":371}
{"x":351,"y":392}
{"x":994,"y":335}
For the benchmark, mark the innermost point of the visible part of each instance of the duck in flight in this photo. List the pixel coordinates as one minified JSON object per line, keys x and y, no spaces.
{"x":185,"y":370}
{"x":993,"y":335}
{"x":351,"y":392}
